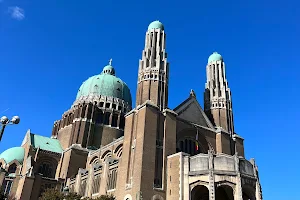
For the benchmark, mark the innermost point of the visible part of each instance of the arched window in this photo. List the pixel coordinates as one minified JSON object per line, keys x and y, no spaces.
{"x":106,"y":154}
{"x":12,"y":168}
{"x":46,"y":169}
{"x":118,"y":150}
{"x":95,"y":160}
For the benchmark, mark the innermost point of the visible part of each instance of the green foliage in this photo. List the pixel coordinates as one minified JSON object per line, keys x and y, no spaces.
{"x":106,"y":197}
{"x":53,"y":194}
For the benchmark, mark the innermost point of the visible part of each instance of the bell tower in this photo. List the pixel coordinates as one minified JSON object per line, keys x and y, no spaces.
{"x":153,"y":71}
{"x":150,"y":128}
{"x":217,"y":96}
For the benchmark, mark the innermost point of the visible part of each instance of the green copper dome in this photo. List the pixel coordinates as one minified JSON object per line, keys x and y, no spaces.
{"x":156,"y":25}
{"x":12,"y":154}
{"x":214,"y":57}
{"x":106,"y":84}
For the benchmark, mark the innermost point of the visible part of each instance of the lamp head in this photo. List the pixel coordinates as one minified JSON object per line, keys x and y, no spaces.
{"x":4,"y":120}
{"x":15,"y":120}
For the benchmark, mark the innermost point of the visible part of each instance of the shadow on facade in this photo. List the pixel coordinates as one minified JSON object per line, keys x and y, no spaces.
{"x":200,"y":192}
{"x":224,"y":192}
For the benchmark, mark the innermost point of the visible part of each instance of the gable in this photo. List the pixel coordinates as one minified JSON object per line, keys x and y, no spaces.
{"x":190,"y":110}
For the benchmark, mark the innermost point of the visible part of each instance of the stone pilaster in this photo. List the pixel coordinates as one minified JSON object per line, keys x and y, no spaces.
{"x":185,"y":186}
{"x":258,"y":191}
{"x":2,"y":176}
{"x":238,"y":188}
{"x":89,"y":183}
{"x":77,"y":183}
{"x":211,"y":178}
{"x":104,"y":178}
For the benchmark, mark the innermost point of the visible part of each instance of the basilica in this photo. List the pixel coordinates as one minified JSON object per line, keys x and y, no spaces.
{"x":104,"y":145}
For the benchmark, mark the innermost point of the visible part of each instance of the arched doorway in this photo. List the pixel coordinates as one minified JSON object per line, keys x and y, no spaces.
{"x":248,"y":193}
{"x":224,"y":192}
{"x":200,"y":192}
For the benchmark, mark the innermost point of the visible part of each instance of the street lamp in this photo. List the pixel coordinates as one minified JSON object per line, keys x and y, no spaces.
{"x":5,"y":121}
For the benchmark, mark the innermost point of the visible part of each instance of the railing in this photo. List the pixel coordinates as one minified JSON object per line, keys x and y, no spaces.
{"x":221,"y":163}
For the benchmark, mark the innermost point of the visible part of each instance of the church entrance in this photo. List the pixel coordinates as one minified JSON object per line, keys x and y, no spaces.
{"x":200,"y":192}
{"x":224,"y":192}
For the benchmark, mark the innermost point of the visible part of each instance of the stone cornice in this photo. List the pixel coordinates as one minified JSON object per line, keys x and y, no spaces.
{"x":76,"y":147}
{"x":130,"y":112}
{"x":169,"y":111}
{"x":237,"y":136}
{"x":147,"y":103}
{"x":47,"y":152}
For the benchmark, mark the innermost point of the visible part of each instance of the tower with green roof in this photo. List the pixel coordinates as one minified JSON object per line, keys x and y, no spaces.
{"x":153,"y":73}
{"x":217,"y":96}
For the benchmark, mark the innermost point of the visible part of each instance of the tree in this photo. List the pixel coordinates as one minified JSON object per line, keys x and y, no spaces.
{"x":106,"y":197}
{"x":54,"y":194}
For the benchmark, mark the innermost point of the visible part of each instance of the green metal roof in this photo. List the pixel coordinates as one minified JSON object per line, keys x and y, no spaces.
{"x":214,"y":57}
{"x":106,"y":84}
{"x":15,"y":153}
{"x":156,"y":25}
{"x":45,"y":143}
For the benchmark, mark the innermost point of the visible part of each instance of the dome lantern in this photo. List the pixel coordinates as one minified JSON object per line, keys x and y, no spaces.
{"x":109,"y":69}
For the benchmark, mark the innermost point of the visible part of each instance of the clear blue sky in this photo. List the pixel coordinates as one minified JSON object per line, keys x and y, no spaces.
{"x":48,"y":48}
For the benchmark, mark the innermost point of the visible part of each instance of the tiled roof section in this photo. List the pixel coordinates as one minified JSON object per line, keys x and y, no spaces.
{"x":45,"y":143}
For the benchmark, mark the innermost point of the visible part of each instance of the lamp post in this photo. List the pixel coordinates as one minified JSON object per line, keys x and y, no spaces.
{"x":5,"y":121}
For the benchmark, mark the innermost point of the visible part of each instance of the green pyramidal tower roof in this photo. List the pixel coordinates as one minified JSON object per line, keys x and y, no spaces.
{"x":106,"y":84}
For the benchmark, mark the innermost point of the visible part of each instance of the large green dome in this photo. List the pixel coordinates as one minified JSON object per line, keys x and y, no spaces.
{"x":214,"y":57}
{"x":156,"y":25}
{"x":106,"y":84}
{"x":15,"y":153}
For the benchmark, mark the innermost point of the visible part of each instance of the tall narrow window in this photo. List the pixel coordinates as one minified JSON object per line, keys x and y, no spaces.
{"x":99,"y":119}
{"x":122,"y":122}
{"x":106,"y":118}
{"x":114,"y":122}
